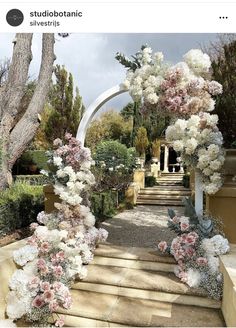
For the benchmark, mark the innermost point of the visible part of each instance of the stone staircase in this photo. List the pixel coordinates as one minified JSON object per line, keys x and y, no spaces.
{"x":135,"y":287}
{"x":168,"y":192}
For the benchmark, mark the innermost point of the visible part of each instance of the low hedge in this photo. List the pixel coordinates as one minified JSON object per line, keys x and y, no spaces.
{"x":34,"y":179}
{"x":186,"y":180}
{"x":103,"y":205}
{"x":19,"y":206}
{"x":150,"y":181}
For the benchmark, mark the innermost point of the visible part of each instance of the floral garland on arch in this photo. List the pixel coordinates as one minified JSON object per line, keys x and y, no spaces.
{"x":181,"y":91}
{"x":62,"y":244}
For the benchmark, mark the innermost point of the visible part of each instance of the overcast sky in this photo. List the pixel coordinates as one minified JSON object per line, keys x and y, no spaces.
{"x":91,"y":57}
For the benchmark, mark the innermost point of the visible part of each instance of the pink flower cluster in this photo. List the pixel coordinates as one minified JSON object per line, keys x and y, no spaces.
{"x":72,"y":153}
{"x":184,"y":246}
{"x":49,"y":295}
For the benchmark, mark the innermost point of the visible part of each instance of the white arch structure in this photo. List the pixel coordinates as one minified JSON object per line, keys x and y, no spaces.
{"x":94,"y":108}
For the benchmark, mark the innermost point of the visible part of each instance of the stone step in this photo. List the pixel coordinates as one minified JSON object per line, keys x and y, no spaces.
{"x":164,"y":282}
{"x":160,"y":196}
{"x":164,"y":192}
{"x":139,"y":312}
{"x":175,"y":187}
{"x":134,"y":264}
{"x":77,"y":321}
{"x":159,"y":202}
{"x":151,"y":295}
{"x":132,"y":253}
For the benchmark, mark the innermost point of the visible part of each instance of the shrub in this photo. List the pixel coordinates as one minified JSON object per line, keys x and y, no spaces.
{"x":114,"y":154}
{"x":35,"y":157}
{"x":150,"y":181}
{"x":141,"y":141}
{"x":186,"y":180}
{"x":114,"y":166}
{"x":19,"y":206}
{"x":103,"y":205}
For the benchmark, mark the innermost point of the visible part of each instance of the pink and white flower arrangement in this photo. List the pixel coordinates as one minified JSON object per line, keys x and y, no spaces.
{"x":196,"y":255}
{"x":62,"y":242}
{"x":182,"y":89}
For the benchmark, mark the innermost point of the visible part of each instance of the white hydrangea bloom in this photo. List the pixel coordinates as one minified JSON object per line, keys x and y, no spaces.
{"x":193,"y":278}
{"x":57,"y":160}
{"x":199,"y":62}
{"x":25,"y":254}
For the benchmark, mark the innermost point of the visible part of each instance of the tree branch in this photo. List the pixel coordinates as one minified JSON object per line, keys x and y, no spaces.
{"x":25,"y":129}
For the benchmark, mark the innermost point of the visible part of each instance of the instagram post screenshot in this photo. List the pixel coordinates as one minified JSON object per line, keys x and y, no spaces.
{"x":118,"y":163}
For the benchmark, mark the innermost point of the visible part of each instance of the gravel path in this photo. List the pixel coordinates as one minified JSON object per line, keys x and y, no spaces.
{"x":143,"y":226}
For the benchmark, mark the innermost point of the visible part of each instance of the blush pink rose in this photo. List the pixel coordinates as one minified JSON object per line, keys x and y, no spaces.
{"x":201,"y":261}
{"x":34,"y":283}
{"x":58,"y":271}
{"x":162,"y":246}
{"x":184,"y":226}
{"x":45,"y":285}
{"x":53,"y":306}
{"x":48,"y":296}
{"x":38,"y":302}
{"x":41,"y":263}
{"x":175,"y":219}
{"x":60,"y":322}
{"x":45,"y":247}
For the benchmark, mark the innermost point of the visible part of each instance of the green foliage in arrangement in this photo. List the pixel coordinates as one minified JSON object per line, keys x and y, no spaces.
{"x":19,"y":206}
{"x":150,"y":181}
{"x":103,"y":205}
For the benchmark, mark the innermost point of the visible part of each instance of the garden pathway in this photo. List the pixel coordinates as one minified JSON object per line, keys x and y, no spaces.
{"x":130,"y":284}
{"x":143,"y":226}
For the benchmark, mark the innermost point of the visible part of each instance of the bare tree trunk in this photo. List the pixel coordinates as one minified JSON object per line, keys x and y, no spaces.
{"x":14,"y":139}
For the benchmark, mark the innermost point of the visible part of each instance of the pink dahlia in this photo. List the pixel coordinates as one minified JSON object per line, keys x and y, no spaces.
{"x":201,"y":261}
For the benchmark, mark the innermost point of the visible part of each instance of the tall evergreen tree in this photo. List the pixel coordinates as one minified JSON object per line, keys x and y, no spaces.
{"x":66,"y":109}
{"x":224,"y":68}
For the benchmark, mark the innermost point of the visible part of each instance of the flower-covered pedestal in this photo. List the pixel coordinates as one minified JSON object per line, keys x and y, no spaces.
{"x":50,"y":198}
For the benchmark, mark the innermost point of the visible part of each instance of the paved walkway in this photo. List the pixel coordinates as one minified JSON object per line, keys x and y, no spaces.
{"x":144,"y":226}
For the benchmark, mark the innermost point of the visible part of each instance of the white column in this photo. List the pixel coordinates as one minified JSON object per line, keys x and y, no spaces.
{"x":166,"y":159}
{"x":198,"y":194}
{"x":181,"y":170}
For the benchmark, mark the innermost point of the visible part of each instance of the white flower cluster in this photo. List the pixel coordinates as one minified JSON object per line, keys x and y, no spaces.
{"x":178,"y":89}
{"x":19,"y":298}
{"x":199,"y":142}
{"x":77,"y":183}
{"x":213,"y":247}
{"x":146,"y":80}
{"x":197,"y":61}
{"x":25,"y":254}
